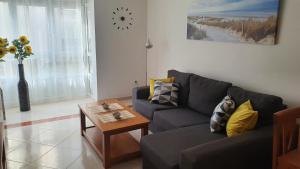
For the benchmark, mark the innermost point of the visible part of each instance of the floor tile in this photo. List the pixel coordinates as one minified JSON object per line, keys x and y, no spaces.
{"x":37,"y":167}
{"x":56,"y":144}
{"x":18,"y":165}
{"x":75,"y":141}
{"x":44,"y":111}
{"x":88,"y":122}
{"x":24,"y":133}
{"x":86,"y":163}
{"x":11,"y":145}
{"x":51,"y":138}
{"x":136,"y":134}
{"x":132,"y":164}
{"x":41,"y":167}
{"x":90,"y":160}
{"x":69,"y":124}
{"x":15,"y":165}
{"x":29,"y":152}
{"x":59,"y":158}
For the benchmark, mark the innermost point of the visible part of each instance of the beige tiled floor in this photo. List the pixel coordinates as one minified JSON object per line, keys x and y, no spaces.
{"x":50,"y":110}
{"x":57,"y":145}
{"x":44,"y":111}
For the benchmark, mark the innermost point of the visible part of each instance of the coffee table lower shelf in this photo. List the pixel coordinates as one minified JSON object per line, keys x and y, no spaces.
{"x":120,"y":147}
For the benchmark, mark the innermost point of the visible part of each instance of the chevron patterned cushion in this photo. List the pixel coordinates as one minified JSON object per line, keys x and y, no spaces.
{"x":165,"y":93}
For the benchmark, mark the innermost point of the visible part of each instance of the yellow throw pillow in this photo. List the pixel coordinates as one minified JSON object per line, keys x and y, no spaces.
{"x":152,"y":81}
{"x":242,"y":120}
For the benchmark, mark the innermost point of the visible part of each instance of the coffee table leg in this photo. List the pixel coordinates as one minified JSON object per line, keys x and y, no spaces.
{"x":144,"y":131}
{"x":82,"y":122}
{"x":106,"y":151}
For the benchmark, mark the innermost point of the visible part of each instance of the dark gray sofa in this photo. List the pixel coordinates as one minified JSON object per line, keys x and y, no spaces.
{"x":182,"y":138}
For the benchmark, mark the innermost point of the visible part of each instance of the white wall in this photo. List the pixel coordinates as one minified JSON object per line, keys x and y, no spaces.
{"x":269,"y":69}
{"x":121,"y":55}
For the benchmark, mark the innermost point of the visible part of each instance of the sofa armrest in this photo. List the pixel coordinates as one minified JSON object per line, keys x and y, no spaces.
{"x":249,"y":151}
{"x":141,"y":92}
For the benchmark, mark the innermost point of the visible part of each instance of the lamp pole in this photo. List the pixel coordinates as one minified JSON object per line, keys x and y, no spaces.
{"x":148,"y":46}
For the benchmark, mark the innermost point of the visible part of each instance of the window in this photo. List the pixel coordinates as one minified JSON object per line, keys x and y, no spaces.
{"x":56,"y":28}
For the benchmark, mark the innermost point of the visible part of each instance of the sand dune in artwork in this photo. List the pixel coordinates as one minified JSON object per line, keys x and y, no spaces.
{"x":245,"y":29}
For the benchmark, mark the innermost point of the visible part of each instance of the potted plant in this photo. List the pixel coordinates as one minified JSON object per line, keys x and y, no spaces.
{"x":22,"y":50}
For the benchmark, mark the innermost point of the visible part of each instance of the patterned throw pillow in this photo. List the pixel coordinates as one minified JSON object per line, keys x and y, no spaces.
{"x":165,"y":93}
{"x":221,"y":114}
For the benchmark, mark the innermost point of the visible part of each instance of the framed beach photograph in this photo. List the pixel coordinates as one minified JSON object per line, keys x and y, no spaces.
{"x":240,"y":21}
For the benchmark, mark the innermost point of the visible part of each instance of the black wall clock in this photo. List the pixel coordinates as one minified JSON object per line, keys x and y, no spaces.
{"x":122,"y":18}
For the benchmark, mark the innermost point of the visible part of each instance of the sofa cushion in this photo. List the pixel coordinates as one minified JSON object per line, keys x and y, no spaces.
{"x":177,"y":118}
{"x":265,"y":104}
{"x":221,"y":114}
{"x":147,"y":109}
{"x":152,"y":83}
{"x":163,"y":149}
{"x":252,"y":150}
{"x":205,"y":94}
{"x":242,"y":120}
{"x":183,"y":79}
{"x":165,"y":93}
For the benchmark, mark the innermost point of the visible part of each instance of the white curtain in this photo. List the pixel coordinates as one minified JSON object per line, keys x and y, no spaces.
{"x":57,"y":31}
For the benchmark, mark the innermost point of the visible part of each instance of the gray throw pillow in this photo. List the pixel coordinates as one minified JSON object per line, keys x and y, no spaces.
{"x":165,"y":93}
{"x":221,"y":114}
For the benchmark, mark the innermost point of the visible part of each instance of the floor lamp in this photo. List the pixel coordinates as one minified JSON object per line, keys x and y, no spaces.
{"x":148,"y":46}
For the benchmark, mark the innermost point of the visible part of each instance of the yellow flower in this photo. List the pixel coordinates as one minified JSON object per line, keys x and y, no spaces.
{"x":24,"y":40}
{"x":12,"y":50}
{"x":3,"y":42}
{"x":3,"y":52}
{"x":28,"y":49}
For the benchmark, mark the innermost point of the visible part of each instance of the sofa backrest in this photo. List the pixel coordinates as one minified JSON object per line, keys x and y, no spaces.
{"x":183,"y":79}
{"x":265,"y":104}
{"x":205,"y":94}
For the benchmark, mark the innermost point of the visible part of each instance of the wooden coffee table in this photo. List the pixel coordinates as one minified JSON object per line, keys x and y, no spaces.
{"x":111,"y":141}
